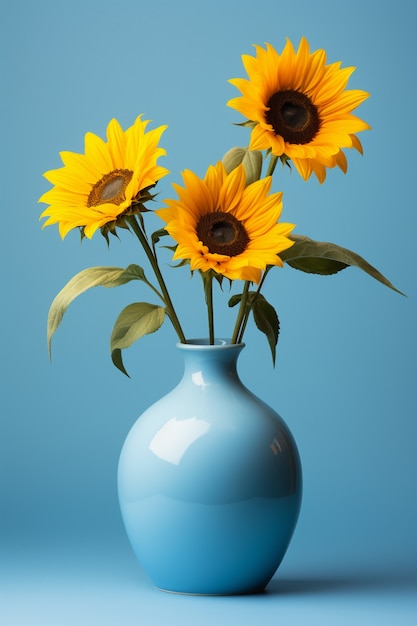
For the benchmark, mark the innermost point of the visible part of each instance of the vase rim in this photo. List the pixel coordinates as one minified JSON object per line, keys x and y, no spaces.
{"x":203,"y":343}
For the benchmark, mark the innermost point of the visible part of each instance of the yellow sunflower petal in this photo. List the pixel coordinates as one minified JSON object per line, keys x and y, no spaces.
{"x":97,"y":151}
{"x":117,"y":144}
{"x":80,"y":165}
{"x":232,"y":189}
{"x":356,"y":144}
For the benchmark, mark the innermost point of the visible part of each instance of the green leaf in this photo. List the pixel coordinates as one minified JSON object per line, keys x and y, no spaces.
{"x":252,"y":296}
{"x":316,"y":257}
{"x":247,"y":124}
{"x":264,"y":314}
{"x":156,"y":236}
{"x":266,"y":319}
{"x":135,"y":321}
{"x":81,"y":282}
{"x":234,"y":300}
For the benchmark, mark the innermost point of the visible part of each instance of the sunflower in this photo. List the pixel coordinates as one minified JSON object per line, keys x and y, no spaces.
{"x":223,"y":225}
{"x":112,"y":179}
{"x":298,"y":107}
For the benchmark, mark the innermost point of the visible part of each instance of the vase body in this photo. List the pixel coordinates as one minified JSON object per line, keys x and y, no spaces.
{"x":209,"y":481}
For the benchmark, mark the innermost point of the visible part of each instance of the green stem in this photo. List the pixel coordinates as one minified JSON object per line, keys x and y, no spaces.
{"x":155,"y":290}
{"x":210,"y":308}
{"x":272,"y":164}
{"x":241,"y":313}
{"x":243,"y":327}
{"x":249,"y":308}
{"x":132,"y":220}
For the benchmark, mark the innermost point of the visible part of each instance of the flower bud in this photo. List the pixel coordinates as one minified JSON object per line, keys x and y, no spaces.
{"x":250,"y":159}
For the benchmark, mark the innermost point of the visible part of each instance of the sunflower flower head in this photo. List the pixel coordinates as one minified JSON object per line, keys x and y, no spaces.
{"x":111,"y":180}
{"x":223,"y":225}
{"x":298,"y":107}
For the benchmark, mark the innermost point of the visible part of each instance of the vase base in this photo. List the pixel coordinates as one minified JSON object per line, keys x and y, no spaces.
{"x":214,"y":594}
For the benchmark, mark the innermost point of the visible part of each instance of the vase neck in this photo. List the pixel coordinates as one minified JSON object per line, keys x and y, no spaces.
{"x":206,"y":363}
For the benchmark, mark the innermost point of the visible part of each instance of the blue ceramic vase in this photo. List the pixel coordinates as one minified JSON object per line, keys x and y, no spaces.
{"x":209,"y":481}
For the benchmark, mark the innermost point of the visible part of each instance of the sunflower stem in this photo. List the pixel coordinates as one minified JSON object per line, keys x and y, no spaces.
{"x":243,"y":327}
{"x":208,"y":288}
{"x":249,"y":307}
{"x":241,"y":314}
{"x":132,"y":220}
{"x":273,"y":160}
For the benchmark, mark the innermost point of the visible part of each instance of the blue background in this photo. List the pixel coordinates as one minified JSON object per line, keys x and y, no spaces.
{"x":345,"y":379}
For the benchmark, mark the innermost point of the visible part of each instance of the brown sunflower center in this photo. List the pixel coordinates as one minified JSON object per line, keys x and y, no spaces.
{"x":110,"y":188}
{"x":222,"y":233}
{"x":293,"y":116}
